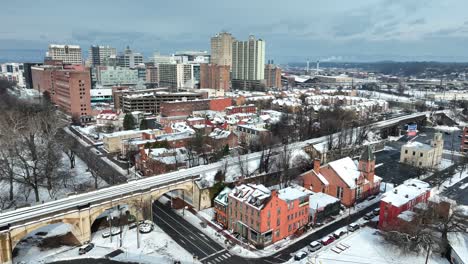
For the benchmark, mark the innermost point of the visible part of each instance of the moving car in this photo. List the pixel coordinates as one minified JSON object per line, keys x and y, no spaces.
{"x":327,"y":240}
{"x":314,"y":246}
{"x":85,"y":248}
{"x":353,"y":227}
{"x":300,"y":255}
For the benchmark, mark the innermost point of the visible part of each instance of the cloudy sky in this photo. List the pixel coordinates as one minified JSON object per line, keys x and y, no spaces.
{"x":294,"y":30}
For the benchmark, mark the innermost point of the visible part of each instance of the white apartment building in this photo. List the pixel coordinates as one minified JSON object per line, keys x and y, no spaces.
{"x":129,"y":59}
{"x":157,"y":58}
{"x":221,"y":49}
{"x":248,"y":59}
{"x":176,"y":75}
{"x":70,"y":54}
{"x":13,"y":72}
{"x":99,"y":55}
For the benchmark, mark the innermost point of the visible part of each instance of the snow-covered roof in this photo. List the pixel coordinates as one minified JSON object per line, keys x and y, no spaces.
{"x":253,"y":194}
{"x":417,"y":146}
{"x":347,"y":170}
{"x":406,"y":192}
{"x":407,"y":216}
{"x":219,"y":133}
{"x":292,"y":193}
{"x":320,"y":200}
{"x":222,"y":197}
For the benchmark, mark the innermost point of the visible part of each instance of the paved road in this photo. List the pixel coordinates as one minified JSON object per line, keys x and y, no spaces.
{"x":210,"y":252}
{"x":456,"y":193}
{"x":91,"y":158}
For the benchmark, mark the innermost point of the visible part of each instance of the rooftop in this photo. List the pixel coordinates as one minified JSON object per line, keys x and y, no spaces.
{"x":347,"y":170}
{"x":320,"y":200}
{"x":293,"y":193}
{"x":417,"y":145}
{"x":406,"y":192}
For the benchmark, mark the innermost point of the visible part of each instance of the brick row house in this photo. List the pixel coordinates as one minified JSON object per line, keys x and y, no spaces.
{"x":344,"y":179}
{"x":264,"y":216}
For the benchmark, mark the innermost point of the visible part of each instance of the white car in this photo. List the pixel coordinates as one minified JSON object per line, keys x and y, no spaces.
{"x":314,"y":246}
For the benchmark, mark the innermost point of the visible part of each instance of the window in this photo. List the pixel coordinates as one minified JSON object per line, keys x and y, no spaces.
{"x":278,"y":222}
{"x":414,"y":153}
{"x":420,"y":155}
{"x":406,"y":151}
{"x":277,"y":233}
{"x":339,"y":192}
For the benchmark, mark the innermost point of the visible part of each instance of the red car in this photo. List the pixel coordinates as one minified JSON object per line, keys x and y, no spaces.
{"x":327,"y":240}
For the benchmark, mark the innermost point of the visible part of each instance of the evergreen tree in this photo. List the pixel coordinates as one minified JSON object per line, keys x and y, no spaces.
{"x":143,"y":125}
{"x":128,"y":122}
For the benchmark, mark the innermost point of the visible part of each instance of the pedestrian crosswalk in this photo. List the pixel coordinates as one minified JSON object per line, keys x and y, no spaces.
{"x":218,"y":259}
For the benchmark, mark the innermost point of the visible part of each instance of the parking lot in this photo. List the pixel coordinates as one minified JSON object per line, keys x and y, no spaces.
{"x":391,"y":170}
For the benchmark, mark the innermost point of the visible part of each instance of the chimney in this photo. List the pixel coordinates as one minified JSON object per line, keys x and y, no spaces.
{"x":317,"y":166}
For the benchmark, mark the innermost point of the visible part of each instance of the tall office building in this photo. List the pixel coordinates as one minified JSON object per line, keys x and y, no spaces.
{"x":178,"y":75}
{"x":221,"y":49}
{"x":68,"y":54}
{"x":129,"y":59}
{"x":214,"y":76}
{"x":272,"y":76}
{"x":248,"y":64}
{"x":99,"y":55}
{"x":68,"y":86}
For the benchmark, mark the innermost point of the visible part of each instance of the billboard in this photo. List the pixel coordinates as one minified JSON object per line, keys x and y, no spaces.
{"x":412,"y":129}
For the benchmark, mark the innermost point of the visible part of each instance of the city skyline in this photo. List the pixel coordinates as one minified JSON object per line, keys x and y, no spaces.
{"x":333,"y":31}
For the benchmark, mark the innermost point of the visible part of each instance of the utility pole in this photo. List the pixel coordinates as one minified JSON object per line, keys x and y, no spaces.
{"x":428,"y":252}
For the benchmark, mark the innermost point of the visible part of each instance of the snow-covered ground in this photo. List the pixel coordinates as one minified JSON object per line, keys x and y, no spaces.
{"x":78,"y":177}
{"x":446,"y":128}
{"x":155,"y":247}
{"x":454,"y":179}
{"x":365,"y":246}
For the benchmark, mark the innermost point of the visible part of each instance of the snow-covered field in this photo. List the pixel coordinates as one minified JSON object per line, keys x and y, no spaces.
{"x":365,"y":246}
{"x":155,"y":247}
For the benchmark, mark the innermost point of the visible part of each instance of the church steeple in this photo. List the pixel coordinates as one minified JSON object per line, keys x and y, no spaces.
{"x":367,"y":164}
{"x":368,"y":155}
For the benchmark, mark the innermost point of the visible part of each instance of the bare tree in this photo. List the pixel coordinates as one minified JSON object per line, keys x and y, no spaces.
{"x":430,"y":228}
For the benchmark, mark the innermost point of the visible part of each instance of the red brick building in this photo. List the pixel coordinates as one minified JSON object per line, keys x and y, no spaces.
{"x":402,"y":198}
{"x":69,"y":88}
{"x":464,"y":141}
{"x":273,"y":76}
{"x":219,"y":138}
{"x":264,"y":216}
{"x":252,"y":109}
{"x":221,"y":207}
{"x":215,"y":76}
{"x":344,"y":180}
{"x":186,"y":108}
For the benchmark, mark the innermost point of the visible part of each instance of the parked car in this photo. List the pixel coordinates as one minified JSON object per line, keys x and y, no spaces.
{"x":314,"y":246}
{"x":353,"y":227}
{"x":339,"y":233}
{"x":376,"y":211}
{"x":327,"y":240}
{"x":369,"y":216}
{"x":300,"y":255}
{"x":106,"y":234}
{"x":85,"y":248}
{"x":115,"y":231}
{"x":145,"y":227}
